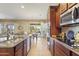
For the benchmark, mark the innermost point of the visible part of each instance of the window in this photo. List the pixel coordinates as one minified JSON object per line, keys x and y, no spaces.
{"x":11,"y":27}
{"x":1,"y":28}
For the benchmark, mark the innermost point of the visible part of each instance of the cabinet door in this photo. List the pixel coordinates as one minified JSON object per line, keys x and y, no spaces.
{"x":28,"y":45}
{"x":52,"y":47}
{"x":71,"y":5}
{"x":60,"y":50}
{"x":53,"y":30}
{"x":52,"y":18}
{"x":19,"y":52}
{"x":63,"y":7}
{"x":19,"y":49}
{"x":25,"y":47}
{"x":58,"y":19}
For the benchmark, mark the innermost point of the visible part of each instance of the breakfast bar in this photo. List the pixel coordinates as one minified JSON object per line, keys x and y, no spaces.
{"x":16,"y":47}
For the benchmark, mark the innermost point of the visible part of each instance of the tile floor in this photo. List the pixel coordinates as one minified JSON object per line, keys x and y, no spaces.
{"x":40,"y":48}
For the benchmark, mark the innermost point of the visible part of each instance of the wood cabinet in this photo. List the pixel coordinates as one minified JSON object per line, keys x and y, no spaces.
{"x":6,"y":51}
{"x":58,"y":19}
{"x":19,"y":52}
{"x":52,"y":47}
{"x":71,"y":5}
{"x":54,"y":24}
{"x":60,"y":50}
{"x":19,"y":49}
{"x":63,"y":7}
{"x":25,"y":47}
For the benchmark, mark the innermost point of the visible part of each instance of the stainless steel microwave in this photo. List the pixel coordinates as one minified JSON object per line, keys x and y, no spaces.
{"x":70,"y":15}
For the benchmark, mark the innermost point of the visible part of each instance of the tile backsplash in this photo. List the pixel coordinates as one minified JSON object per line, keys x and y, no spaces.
{"x":74,"y":28}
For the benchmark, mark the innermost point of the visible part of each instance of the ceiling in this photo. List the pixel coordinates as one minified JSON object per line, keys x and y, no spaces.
{"x":24,"y":11}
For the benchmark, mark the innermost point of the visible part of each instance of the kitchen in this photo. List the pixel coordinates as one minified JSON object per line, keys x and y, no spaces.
{"x":64,"y":29}
{"x":61,"y":22}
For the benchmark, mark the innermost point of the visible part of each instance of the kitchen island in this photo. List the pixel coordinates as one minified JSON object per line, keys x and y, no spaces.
{"x":59,"y":48}
{"x":17,"y":47}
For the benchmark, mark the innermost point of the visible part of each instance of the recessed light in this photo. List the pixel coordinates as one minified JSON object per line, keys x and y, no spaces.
{"x":22,"y":6}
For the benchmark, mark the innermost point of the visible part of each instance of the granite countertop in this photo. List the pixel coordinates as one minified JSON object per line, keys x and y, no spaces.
{"x":75,"y":50}
{"x":11,"y":43}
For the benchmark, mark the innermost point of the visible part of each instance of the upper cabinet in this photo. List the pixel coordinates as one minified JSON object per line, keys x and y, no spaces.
{"x":71,"y":5}
{"x":63,"y":7}
{"x":53,"y":17}
{"x":57,"y":17}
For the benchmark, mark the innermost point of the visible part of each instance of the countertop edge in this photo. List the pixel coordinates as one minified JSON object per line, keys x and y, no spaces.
{"x":12,"y":46}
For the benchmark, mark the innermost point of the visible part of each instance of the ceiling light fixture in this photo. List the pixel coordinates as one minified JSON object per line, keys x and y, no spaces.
{"x":22,"y":6}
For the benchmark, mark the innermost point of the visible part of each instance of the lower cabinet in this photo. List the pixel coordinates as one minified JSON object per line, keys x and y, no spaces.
{"x":60,"y":50}
{"x":19,"y":50}
{"x":6,"y":51}
{"x":25,"y":48}
{"x":51,"y":47}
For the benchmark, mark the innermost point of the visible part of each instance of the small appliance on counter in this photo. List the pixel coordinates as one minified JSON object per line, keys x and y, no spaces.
{"x":62,"y":36}
{"x":70,"y":38}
